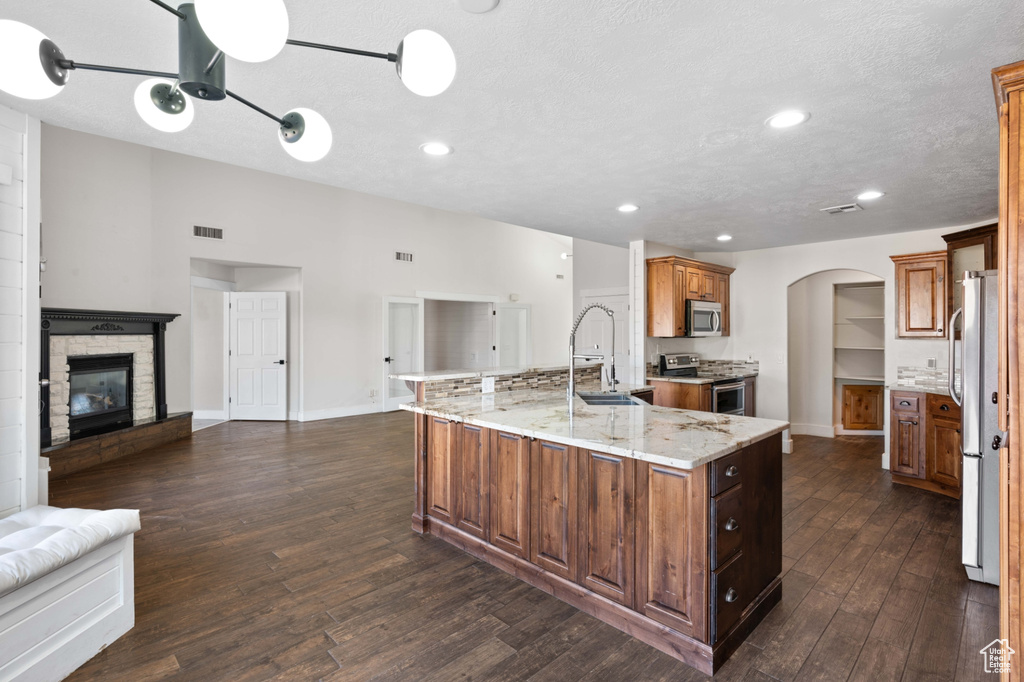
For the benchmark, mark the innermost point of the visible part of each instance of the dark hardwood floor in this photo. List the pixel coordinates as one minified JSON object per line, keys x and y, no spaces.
{"x":283,"y":551}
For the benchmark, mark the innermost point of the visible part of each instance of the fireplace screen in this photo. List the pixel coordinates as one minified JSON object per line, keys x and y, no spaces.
{"x":100,"y":395}
{"x":93,"y":392}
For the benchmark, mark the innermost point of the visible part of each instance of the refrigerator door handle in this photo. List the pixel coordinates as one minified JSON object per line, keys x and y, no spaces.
{"x":970,"y":502}
{"x":958,"y":399}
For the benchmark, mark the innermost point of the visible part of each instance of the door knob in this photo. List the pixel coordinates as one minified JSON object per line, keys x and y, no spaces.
{"x":280,"y":362}
{"x":388,"y":360}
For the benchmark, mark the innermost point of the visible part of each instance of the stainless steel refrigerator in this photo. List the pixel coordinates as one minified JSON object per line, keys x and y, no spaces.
{"x":979,"y":422}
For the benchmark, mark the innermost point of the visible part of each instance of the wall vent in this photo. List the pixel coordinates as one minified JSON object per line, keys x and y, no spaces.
{"x":403,"y":257}
{"x":207,"y":232}
{"x":845,"y":208}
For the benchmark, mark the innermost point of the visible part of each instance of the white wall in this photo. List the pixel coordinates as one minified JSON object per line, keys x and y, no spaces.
{"x":20,"y":485}
{"x":597,"y":266}
{"x":208,"y":346}
{"x":810,"y":350}
{"x":139,"y":204}
{"x":457,"y":335}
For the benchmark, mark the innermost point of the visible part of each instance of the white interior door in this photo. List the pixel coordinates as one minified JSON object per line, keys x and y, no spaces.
{"x":402,"y":348}
{"x":513,"y":340}
{"x":595,"y":333}
{"x":258,"y":351}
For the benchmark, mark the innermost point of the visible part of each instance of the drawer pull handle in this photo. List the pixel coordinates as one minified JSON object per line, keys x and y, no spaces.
{"x":905,"y":402}
{"x":944,"y":408}
{"x":732,"y":471}
{"x":731,"y":595}
{"x":732,"y":524}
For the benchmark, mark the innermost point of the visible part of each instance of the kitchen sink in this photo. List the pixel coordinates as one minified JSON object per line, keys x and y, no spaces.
{"x":609,"y":399}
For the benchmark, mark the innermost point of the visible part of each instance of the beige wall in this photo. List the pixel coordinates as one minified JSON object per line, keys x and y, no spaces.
{"x":208,"y":350}
{"x":108,"y":202}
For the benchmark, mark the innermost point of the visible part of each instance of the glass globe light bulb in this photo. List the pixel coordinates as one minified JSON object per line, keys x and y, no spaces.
{"x":248,"y":30}
{"x":176,"y":114}
{"x":21,"y":68}
{"x":314,"y":140}
{"x":426,"y":63}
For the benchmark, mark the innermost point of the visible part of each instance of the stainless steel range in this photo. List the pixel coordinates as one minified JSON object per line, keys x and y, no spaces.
{"x":728,"y":393}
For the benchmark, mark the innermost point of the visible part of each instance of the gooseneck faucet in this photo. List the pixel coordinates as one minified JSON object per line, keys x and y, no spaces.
{"x":571,"y":391}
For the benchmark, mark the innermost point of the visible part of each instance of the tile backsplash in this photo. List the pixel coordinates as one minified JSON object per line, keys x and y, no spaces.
{"x":528,"y":381}
{"x":717,"y":367}
{"x":924,"y":376}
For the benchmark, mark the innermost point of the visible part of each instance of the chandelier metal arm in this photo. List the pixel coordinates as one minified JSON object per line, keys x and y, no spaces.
{"x":70,"y":64}
{"x":390,"y":56}
{"x":256,"y":108}
{"x":168,"y":8}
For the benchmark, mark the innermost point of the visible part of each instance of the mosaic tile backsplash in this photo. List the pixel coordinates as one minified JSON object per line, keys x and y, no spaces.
{"x":586,"y":378}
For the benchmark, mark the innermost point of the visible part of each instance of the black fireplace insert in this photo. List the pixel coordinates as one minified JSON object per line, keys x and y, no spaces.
{"x":100,"y":398}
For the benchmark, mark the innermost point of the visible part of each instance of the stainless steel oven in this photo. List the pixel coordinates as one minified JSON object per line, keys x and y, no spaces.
{"x":703,"y":318}
{"x":728,"y":397}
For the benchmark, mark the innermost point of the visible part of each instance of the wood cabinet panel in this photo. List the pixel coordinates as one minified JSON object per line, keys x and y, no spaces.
{"x":606,"y":525}
{"x":944,"y":458}
{"x":510,"y":493}
{"x":694,"y":286}
{"x":906,"y":449}
{"x":671,"y":281}
{"x":727,"y":523}
{"x":921,"y":295}
{"x":442,"y":442}
{"x":472,"y":475}
{"x":924,"y":450}
{"x":863,"y":407}
{"x":728,"y":595}
{"x":646,"y":396}
{"x":709,"y":285}
{"x":671,"y":547}
{"x":722,"y":296}
{"x":554,"y":534}
{"x":750,"y":397}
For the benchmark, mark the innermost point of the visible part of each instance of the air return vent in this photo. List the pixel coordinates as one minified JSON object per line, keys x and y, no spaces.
{"x":207,"y":232}
{"x":845,"y":208}
{"x":403,"y":257}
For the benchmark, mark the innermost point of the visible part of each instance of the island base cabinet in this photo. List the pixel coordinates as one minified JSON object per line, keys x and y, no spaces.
{"x":671,"y":547}
{"x":606,"y":524}
{"x":655,"y":551}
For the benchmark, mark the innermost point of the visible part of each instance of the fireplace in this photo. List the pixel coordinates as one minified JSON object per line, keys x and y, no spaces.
{"x":100,"y":394}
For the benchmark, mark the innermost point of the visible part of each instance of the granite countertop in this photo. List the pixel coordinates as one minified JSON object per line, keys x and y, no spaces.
{"x":683,"y":439}
{"x":446,"y":374}
{"x":938,"y":388}
{"x":701,"y":379}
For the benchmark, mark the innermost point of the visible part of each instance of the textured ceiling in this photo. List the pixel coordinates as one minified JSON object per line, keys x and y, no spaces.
{"x":563,"y":110}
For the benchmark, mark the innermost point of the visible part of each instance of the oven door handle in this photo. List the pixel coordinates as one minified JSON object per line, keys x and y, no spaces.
{"x":727,"y":387}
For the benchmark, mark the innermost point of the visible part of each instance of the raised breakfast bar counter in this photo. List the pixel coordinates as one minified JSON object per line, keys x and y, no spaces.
{"x":666,"y":524}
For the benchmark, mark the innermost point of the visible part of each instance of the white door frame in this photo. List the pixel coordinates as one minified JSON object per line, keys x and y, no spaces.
{"x":387,"y":403}
{"x":225,"y":288}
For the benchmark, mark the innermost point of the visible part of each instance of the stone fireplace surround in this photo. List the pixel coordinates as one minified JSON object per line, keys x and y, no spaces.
{"x":66,"y":332}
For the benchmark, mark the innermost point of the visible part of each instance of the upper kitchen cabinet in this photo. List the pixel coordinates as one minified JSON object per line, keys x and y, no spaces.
{"x":974,"y":249}
{"x":671,"y":281}
{"x":921,"y":295}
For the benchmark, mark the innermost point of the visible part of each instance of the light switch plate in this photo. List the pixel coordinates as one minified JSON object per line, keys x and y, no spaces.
{"x":487,"y":385}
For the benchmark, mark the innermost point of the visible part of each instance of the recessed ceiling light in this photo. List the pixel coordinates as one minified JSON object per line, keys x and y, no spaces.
{"x":869,"y":195}
{"x":787,"y":119}
{"x":724,"y":237}
{"x":628,"y":208}
{"x":436,"y":149}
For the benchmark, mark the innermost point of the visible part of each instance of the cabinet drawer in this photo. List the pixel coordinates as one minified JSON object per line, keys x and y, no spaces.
{"x":727,"y":596}
{"x":726,"y":529}
{"x":942,"y":406}
{"x":905,"y":402}
{"x":726,"y":472}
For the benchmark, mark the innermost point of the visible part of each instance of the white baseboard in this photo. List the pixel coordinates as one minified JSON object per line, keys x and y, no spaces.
{"x":840,"y":431}
{"x":336,"y":412}
{"x":210,"y":414}
{"x":787,"y":446}
{"x":812,"y":430}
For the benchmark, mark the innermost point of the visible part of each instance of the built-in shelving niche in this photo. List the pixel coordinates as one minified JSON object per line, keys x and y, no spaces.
{"x":858,"y":338}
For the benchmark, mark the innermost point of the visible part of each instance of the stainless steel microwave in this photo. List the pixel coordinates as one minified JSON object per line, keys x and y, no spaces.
{"x":703,"y":318}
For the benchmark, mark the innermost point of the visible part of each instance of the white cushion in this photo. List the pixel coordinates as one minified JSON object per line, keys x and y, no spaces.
{"x":39,"y":540}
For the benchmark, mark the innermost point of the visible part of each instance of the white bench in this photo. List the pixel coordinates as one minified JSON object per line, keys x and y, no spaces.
{"x":67,"y":588}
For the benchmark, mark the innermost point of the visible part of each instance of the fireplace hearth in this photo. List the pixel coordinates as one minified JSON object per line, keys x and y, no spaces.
{"x":100,"y":394}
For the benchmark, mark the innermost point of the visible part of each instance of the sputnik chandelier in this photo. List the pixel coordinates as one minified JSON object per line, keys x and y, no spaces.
{"x":33,"y":67}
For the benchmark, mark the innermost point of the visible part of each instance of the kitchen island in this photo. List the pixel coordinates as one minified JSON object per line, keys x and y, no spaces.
{"x":666,"y":524}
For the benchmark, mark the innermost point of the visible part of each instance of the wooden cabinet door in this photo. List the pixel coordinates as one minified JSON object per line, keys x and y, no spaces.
{"x":705,"y":398}
{"x":664,"y":299}
{"x":750,"y":397}
{"x":510,"y":493}
{"x":906,"y":450}
{"x":679,"y":300}
{"x":553,"y":508}
{"x":472,"y":481}
{"x":709,"y":285}
{"x":943,"y":447}
{"x":722,"y":296}
{"x":921,"y":295}
{"x":862,"y":408}
{"x":694,"y":289}
{"x":672,"y":547}
{"x":606,"y":525}
{"x":442,"y":442}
